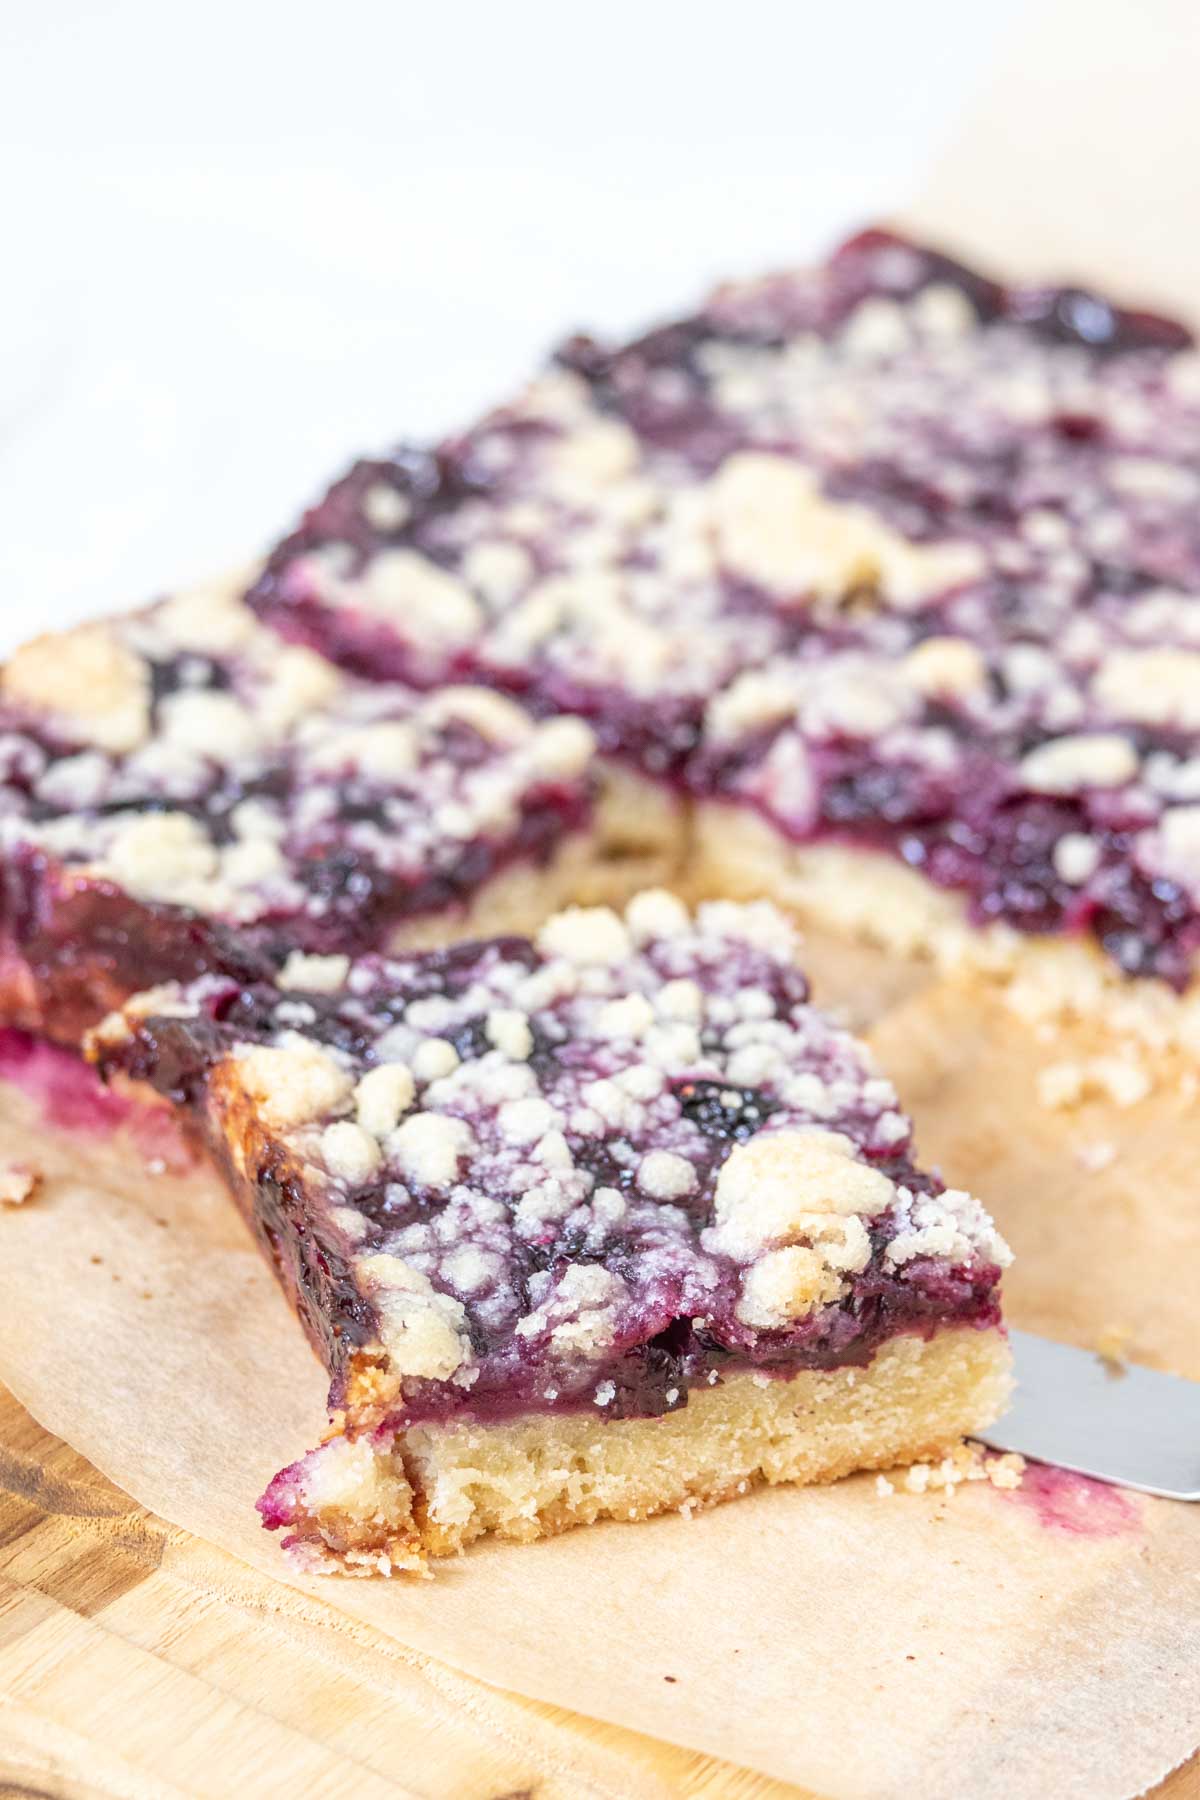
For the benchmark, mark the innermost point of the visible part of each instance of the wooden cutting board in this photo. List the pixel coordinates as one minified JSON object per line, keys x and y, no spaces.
{"x":140,"y":1663}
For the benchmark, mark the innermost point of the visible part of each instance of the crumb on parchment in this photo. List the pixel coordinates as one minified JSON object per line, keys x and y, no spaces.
{"x":1121,"y":1079}
{"x":1112,"y":1345}
{"x":966,"y":1462}
{"x":1096,"y":1155}
{"x":17,"y":1183}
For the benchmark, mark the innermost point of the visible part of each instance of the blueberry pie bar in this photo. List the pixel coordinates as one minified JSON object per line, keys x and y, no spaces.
{"x":181,"y":791}
{"x":589,"y":1226}
{"x":894,"y":569}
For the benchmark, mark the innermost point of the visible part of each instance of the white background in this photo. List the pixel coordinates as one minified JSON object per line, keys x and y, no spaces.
{"x":242,"y":242}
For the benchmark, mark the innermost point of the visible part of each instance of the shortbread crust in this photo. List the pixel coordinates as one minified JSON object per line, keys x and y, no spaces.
{"x":439,"y":1488}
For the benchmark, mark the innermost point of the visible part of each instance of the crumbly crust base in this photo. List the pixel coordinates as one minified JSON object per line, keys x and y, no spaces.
{"x":868,"y":897}
{"x":361,"y":1510}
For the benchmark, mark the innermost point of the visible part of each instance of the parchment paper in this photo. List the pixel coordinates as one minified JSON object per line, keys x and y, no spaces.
{"x":855,"y":1644}
{"x":1080,"y":157}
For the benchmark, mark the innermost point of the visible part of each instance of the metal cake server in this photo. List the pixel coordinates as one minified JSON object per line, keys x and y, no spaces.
{"x":1120,"y":1423}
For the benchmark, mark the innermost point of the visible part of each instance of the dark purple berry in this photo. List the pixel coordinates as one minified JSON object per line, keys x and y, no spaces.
{"x":723,"y":1111}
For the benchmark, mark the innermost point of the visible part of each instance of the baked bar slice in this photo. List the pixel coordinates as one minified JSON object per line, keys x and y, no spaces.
{"x":924,"y":550}
{"x":181,"y":791}
{"x":586,"y":1227}
{"x":555,"y":552}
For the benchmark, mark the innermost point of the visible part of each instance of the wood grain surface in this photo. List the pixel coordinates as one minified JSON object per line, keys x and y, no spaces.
{"x":141,"y":1663}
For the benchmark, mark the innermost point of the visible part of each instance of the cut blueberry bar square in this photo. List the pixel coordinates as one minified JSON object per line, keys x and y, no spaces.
{"x":180,"y":790}
{"x":593,"y":1226}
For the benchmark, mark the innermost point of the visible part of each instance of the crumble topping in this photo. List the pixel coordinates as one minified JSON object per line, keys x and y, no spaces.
{"x":17,"y":1184}
{"x":776,"y":528}
{"x":350,"y":1152}
{"x":783,"y":1183}
{"x":382,"y":1096}
{"x":585,"y":935}
{"x":292,"y":1082}
{"x":946,"y":667}
{"x":592,"y":1170}
{"x":783,"y":1285}
{"x":319,"y":974}
{"x":1067,"y":764}
{"x":87,"y":679}
{"x":421,"y":1329}
{"x":1151,"y":687}
{"x":441,"y":609}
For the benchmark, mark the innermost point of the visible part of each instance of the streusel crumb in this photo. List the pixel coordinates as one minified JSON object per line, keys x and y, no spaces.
{"x":967,"y":1462}
{"x":18,"y":1182}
